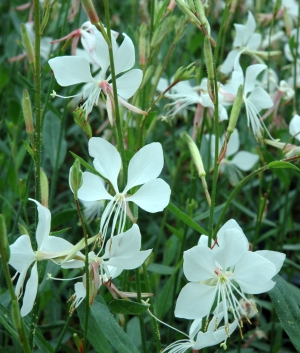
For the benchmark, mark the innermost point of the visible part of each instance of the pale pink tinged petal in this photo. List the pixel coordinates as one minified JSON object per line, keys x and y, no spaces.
{"x":249,"y":27}
{"x":70,"y":70}
{"x":44,"y":223}
{"x":30,"y":292}
{"x":232,"y":246}
{"x":124,"y":57}
{"x":199,"y":264}
{"x":231,"y":224}
{"x":203,"y":240}
{"x":294,"y":127}
{"x":109,"y":109}
{"x":124,"y":244}
{"x":227,"y":65}
{"x":21,"y":253}
{"x":260,"y":98}
{"x":233,"y":144}
{"x":108,"y":159}
{"x":92,"y":188}
{"x":195,"y":327}
{"x":153,"y":196}
{"x":128,"y":83}
{"x":145,"y":165}
{"x":253,"y":271}
{"x":195,"y":301}
{"x":102,"y":53}
{"x":129,"y":263}
{"x":254,"y":41}
{"x":245,"y":160}
{"x":239,"y":35}
{"x":251,"y":75}
{"x":131,"y":107}
{"x":277,"y":258}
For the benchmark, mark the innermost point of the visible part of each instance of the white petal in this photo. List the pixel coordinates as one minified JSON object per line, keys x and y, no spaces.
{"x":260,"y":98}
{"x":251,"y":74}
{"x":70,"y":70}
{"x":252,"y":272}
{"x":145,"y":165}
{"x":128,"y":83}
{"x":102,"y":53}
{"x":239,"y":35}
{"x":227,"y":65}
{"x":108,"y":161}
{"x":249,"y":27}
{"x":92,"y":188}
{"x":245,"y":160}
{"x":294,"y":127}
{"x":228,"y":225}
{"x":124,"y":57}
{"x":80,"y":292}
{"x":195,"y":327}
{"x":21,"y":253}
{"x":195,"y":301}
{"x":233,"y":144}
{"x":20,"y":282}
{"x":199,"y":264}
{"x":44,"y":223}
{"x":129,"y":263}
{"x":254,"y":41}
{"x":203,"y":240}
{"x":153,"y":196}
{"x":277,"y":258}
{"x":30,"y":291}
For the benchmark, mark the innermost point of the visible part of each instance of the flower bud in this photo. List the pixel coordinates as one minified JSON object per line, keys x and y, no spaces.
{"x":195,"y":155}
{"x":23,"y":230}
{"x":185,"y":73}
{"x":45,"y":16}
{"x":143,"y":44}
{"x":27,"y":113}
{"x":75,"y":178}
{"x":235,"y":111}
{"x":3,"y":240}
{"x":90,"y":10}
{"x":201,"y":14}
{"x":44,"y":189}
{"x":28,"y":45}
{"x":81,"y":120}
{"x":210,"y":68}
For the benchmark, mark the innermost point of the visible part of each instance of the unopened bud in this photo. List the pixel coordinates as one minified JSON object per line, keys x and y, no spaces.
{"x":185,"y":73}
{"x":45,"y":16}
{"x":75,"y":178}
{"x":27,"y":113}
{"x":78,"y":342}
{"x":90,"y":10}
{"x":3,"y":240}
{"x":81,"y":120}
{"x":210,"y":68}
{"x":23,"y":230}
{"x":201,"y":14}
{"x":235,"y":111}
{"x":28,"y":45}
{"x":287,"y":21}
{"x":148,"y":74}
{"x":143,"y":44}
{"x":195,"y":155}
{"x":44,"y":189}
{"x":15,"y":311}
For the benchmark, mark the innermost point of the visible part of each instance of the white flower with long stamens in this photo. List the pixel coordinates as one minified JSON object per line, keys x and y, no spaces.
{"x":245,"y":41}
{"x":241,"y":160}
{"x":254,"y":96}
{"x":122,"y":252}
{"x":144,"y":168}
{"x":224,"y":272}
{"x":22,"y":256}
{"x":71,"y":70}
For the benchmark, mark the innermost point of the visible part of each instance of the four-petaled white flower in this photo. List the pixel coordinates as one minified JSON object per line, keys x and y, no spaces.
{"x":22,"y":256}
{"x":221,"y":273}
{"x":122,"y":252}
{"x":242,"y":160}
{"x":255,"y":97}
{"x":71,"y":70}
{"x":245,"y":41}
{"x":144,"y":168}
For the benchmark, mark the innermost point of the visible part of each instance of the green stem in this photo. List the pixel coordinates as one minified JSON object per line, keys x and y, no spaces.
{"x":61,"y":336}
{"x":152,"y":19}
{"x":113,"y":78}
{"x":141,"y":319}
{"x":236,"y":190}
{"x":87,"y":300}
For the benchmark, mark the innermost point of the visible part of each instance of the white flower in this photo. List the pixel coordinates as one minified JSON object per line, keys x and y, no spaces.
{"x":221,"y":273}
{"x":210,"y":337}
{"x":122,"y":252}
{"x":245,"y":40}
{"x":255,"y":97}
{"x":71,"y":70}
{"x":22,"y":256}
{"x":242,"y":160}
{"x":144,"y":168}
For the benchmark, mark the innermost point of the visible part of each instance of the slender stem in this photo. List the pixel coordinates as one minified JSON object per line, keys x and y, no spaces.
{"x":235,"y":191}
{"x":87,"y":301}
{"x":61,"y":336}
{"x":113,"y":78}
{"x":141,"y":319}
{"x":152,"y":19}
{"x":220,"y":34}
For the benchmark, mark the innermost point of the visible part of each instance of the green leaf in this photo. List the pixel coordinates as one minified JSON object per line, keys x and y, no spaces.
{"x":161,"y":269}
{"x":281,"y":164}
{"x":186,"y":219}
{"x":287,"y":310}
{"x":61,"y":231}
{"x":127,"y":307}
{"x":29,"y":149}
{"x":55,"y":151}
{"x":102,"y":326}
